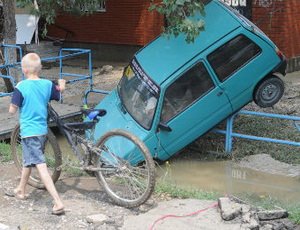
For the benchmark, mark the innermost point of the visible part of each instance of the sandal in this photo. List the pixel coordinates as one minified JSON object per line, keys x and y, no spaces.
{"x":13,"y":193}
{"x":58,"y":212}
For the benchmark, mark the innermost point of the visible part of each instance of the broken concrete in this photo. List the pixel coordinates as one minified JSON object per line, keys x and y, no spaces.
{"x":252,"y":218}
{"x":272,"y":215}
{"x":229,"y":209}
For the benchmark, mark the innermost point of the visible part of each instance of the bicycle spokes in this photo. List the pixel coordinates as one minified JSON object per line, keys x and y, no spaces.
{"x":125,"y":171}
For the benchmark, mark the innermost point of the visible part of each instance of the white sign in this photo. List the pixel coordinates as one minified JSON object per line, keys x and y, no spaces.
{"x":235,"y":3}
{"x":26,"y":26}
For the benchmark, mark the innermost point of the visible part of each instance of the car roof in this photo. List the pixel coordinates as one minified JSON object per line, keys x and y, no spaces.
{"x":163,"y":56}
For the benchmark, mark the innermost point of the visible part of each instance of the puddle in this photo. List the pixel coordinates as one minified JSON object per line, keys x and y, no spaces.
{"x":226,"y":177}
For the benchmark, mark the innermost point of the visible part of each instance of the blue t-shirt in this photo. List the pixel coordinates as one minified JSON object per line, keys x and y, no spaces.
{"x":32,"y":97}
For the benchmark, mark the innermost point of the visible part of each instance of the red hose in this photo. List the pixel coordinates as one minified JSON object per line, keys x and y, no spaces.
{"x":176,"y":216}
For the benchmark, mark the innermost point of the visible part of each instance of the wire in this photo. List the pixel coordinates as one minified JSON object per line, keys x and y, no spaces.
{"x":187,"y":215}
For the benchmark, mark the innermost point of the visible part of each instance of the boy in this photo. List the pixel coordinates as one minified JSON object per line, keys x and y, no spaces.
{"x":31,"y":96}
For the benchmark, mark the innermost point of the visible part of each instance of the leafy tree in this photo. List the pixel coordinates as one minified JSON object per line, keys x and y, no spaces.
{"x":9,"y":37}
{"x":177,"y":14}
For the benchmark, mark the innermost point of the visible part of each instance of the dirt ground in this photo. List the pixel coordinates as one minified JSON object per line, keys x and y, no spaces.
{"x":83,"y":196}
{"x":88,"y":207}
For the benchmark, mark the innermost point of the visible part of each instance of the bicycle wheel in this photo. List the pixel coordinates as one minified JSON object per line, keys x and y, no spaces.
{"x":127,"y":169}
{"x":52,"y":154}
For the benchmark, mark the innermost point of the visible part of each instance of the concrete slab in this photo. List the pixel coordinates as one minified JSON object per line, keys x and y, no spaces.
{"x":209,"y":219}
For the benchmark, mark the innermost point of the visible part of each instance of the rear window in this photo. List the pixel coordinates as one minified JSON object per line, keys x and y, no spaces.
{"x":232,"y":56}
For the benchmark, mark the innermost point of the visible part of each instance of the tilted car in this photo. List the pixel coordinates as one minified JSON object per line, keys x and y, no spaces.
{"x":173,"y":92}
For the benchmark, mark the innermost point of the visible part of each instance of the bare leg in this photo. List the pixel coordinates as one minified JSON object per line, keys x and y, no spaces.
{"x":20,"y":190}
{"x":48,"y":182}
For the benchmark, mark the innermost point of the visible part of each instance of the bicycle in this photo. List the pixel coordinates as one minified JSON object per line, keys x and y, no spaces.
{"x":127,"y":176}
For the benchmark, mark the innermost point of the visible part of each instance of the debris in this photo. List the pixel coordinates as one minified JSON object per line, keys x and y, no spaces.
{"x":272,"y":214}
{"x":97,"y":219}
{"x":229,"y":209}
{"x":106,"y":69}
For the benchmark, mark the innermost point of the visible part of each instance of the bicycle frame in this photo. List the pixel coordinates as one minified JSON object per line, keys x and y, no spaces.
{"x":71,"y":131}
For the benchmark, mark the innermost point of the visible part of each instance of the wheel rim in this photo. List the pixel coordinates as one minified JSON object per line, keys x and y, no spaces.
{"x":270,"y":92}
{"x":124,"y":179}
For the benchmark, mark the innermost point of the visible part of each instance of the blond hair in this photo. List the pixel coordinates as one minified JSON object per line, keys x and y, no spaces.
{"x":32,"y":63}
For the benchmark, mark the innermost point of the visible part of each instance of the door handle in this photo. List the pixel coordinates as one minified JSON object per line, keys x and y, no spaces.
{"x":219,"y":93}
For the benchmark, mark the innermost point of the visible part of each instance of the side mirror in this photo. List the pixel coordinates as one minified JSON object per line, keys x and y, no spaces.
{"x":164,"y":127}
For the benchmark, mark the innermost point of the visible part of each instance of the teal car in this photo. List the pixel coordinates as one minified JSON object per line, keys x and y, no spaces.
{"x":173,"y":92}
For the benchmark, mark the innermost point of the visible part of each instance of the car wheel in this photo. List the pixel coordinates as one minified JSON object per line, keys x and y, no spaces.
{"x":269,"y":92}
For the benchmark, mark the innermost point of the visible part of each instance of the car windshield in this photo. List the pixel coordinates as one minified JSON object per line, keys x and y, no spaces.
{"x":138,"y":94}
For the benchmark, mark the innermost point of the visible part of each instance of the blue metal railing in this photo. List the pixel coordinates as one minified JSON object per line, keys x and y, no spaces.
{"x":79,"y":77}
{"x":64,"y":53}
{"x":229,"y":134}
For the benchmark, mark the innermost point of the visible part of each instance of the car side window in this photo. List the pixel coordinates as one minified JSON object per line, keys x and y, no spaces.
{"x":232,"y":55}
{"x":189,"y":87}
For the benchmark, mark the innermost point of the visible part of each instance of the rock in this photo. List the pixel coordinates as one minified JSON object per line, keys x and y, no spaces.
{"x":272,"y":214}
{"x":106,"y":69}
{"x":267,"y":227}
{"x":229,"y":210}
{"x":82,"y":224}
{"x":282,"y":224}
{"x":3,"y":227}
{"x":96,"y":219}
{"x":278,"y":226}
{"x":246,"y":208}
{"x":146,"y":206}
{"x":250,"y":220}
{"x":289,"y":225}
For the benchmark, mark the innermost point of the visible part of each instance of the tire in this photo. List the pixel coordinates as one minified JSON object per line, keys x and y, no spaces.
{"x":269,"y":92}
{"x":128,"y":180}
{"x":52,"y":153}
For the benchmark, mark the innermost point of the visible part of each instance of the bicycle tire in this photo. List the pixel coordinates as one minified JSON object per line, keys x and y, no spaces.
{"x":127,"y":184}
{"x":52,"y":152}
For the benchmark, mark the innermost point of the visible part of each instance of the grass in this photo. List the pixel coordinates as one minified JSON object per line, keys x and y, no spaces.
{"x":250,"y":125}
{"x":272,"y":128}
{"x":5,"y":152}
{"x":71,"y":167}
{"x":171,"y":190}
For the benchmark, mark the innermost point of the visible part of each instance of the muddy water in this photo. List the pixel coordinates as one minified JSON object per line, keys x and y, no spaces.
{"x":224,"y":177}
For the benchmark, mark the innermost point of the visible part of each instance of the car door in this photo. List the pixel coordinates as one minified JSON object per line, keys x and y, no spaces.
{"x":239,"y":64}
{"x":192,"y":105}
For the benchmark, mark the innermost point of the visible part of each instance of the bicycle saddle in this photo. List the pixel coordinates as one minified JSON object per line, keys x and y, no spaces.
{"x":93,"y":113}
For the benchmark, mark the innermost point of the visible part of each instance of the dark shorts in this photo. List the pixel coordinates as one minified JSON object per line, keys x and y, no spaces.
{"x":33,"y":150}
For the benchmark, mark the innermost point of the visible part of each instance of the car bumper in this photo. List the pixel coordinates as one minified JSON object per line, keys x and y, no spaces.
{"x":281,"y":67}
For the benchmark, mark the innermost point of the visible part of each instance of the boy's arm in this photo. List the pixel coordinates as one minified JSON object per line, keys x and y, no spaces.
{"x":57,"y":89}
{"x":12,"y":109}
{"x":16,"y":101}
